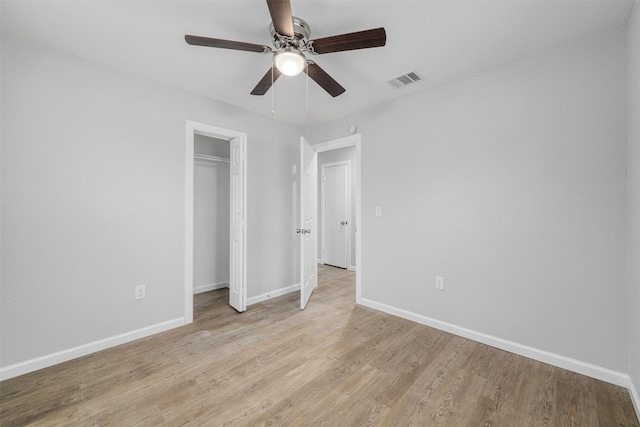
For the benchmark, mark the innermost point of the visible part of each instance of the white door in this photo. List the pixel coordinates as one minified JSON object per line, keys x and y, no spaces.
{"x":309,"y":224}
{"x":335,"y":214}
{"x":237,"y":268}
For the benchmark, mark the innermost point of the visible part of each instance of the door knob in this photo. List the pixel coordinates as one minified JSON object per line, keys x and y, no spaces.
{"x":343,"y":222}
{"x":299,"y":230}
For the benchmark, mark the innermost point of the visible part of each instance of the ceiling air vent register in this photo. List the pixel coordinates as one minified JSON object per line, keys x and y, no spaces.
{"x":405,"y":79}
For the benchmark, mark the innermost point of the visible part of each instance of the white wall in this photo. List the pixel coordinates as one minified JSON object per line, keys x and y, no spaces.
{"x":88,"y":213}
{"x":511,"y":185}
{"x":346,"y":153}
{"x":633,"y":115}
{"x":211,"y":216}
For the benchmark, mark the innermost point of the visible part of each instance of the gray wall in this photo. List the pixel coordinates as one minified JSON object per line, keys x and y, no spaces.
{"x":88,"y":214}
{"x":633,"y":114}
{"x":511,"y":185}
{"x":347,"y":153}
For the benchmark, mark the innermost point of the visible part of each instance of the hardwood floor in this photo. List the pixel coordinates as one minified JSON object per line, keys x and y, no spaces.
{"x":333,"y":364}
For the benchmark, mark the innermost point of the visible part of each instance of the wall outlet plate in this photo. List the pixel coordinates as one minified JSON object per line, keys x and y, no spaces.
{"x":440,"y":283}
{"x":141,"y":292}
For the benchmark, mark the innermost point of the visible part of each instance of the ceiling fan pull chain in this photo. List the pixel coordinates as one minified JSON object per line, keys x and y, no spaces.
{"x":307,"y":85}
{"x":273,"y":89}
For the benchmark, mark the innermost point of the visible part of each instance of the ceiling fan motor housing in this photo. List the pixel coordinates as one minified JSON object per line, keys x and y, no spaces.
{"x":299,"y":41}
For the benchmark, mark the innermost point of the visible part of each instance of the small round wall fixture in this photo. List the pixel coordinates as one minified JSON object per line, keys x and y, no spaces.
{"x":353,"y":129}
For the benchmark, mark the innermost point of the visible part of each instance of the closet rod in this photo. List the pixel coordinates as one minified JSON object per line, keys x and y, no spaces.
{"x":206,"y":159}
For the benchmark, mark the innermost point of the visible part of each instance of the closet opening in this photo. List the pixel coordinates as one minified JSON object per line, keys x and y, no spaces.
{"x":211,"y":205}
{"x":215,"y":214}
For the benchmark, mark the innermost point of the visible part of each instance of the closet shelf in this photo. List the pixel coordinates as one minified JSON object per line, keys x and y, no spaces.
{"x":207,"y":160}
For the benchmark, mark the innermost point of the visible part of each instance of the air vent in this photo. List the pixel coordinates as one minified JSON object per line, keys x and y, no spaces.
{"x":405,"y":79}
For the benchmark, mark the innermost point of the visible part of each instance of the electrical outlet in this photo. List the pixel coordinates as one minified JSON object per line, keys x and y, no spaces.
{"x":141,"y":292}
{"x":440,"y":283}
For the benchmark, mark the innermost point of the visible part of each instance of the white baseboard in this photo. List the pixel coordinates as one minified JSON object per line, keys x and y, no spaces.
{"x":211,"y":287}
{"x":635,"y":397}
{"x":320,"y":261}
{"x":563,"y":362}
{"x":82,"y":350}
{"x":273,"y":294}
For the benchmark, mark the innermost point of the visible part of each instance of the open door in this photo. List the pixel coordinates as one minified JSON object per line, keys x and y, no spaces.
{"x":237,"y":268}
{"x":309,"y":222}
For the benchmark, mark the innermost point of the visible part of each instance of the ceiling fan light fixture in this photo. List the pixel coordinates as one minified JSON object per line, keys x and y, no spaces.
{"x":289,"y":62}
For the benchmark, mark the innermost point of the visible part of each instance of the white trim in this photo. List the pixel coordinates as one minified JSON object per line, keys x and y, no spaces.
{"x":193,"y":128}
{"x":348,"y":141}
{"x":320,"y":261}
{"x":188,"y":222}
{"x":338,"y":163}
{"x":563,"y":362}
{"x":210,"y":287}
{"x":352,"y":268}
{"x":273,"y":294}
{"x":635,"y":397}
{"x":82,"y":350}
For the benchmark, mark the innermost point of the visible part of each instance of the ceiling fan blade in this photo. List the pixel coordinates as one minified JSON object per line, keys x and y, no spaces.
{"x":226,"y":44}
{"x":359,"y":40}
{"x":266,"y":82}
{"x":281,"y":17}
{"x":325,"y":81}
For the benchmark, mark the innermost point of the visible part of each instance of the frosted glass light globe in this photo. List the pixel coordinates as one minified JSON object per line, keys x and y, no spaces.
{"x":289,"y":62}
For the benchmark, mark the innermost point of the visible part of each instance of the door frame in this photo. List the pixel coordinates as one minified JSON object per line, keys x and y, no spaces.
{"x":192,"y":129}
{"x":334,"y":144}
{"x":348,"y":197}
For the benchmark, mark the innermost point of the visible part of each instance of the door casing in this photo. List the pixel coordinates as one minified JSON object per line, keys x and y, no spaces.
{"x":348,"y":141}
{"x":193,"y":128}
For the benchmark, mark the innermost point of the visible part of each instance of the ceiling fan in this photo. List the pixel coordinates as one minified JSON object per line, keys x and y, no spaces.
{"x":290,"y":38}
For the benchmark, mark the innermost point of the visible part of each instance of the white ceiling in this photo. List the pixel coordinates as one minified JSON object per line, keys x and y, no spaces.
{"x":442,"y":40}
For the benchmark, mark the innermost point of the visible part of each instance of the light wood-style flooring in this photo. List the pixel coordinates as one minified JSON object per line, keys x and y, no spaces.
{"x":333,"y":364}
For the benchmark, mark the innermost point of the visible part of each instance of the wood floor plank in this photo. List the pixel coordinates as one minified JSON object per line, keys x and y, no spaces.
{"x":333,"y":364}
{"x":419,"y":403}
